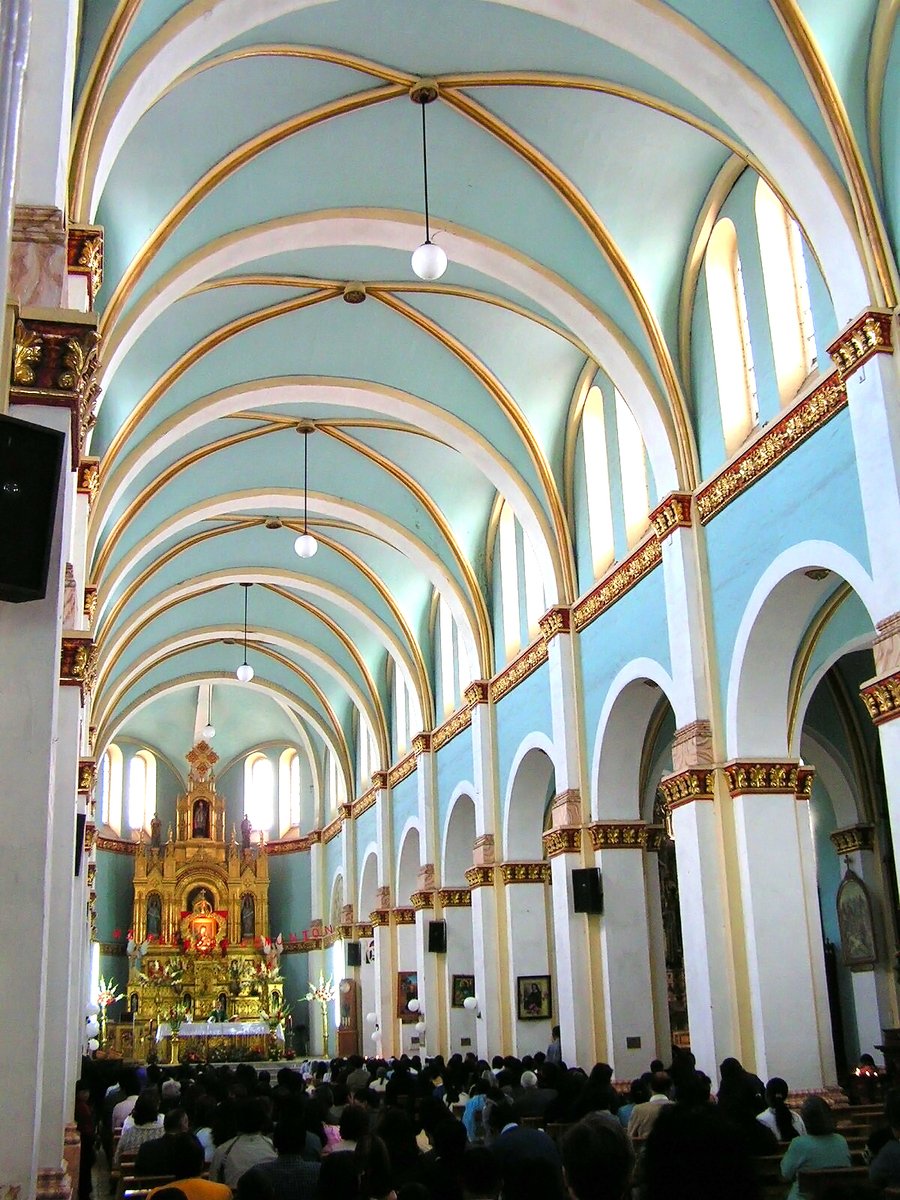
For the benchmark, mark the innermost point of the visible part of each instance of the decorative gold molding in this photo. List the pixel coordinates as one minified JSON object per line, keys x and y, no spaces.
{"x":364,"y":803}
{"x":481,"y":875}
{"x":332,"y":829}
{"x":564,"y":840}
{"x":55,"y":356}
{"x":621,"y":580}
{"x":774,"y":444}
{"x":455,"y":898}
{"x":656,"y":836}
{"x":674,"y":512}
{"x":380,"y":781}
{"x":684,"y":787}
{"x":402,"y":770}
{"x":455,"y":723}
{"x":85,"y":256}
{"x":90,"y":835}
{"x":78,"y":661}
{"x":769,"y":777}
{"x":478,"y":692}
{"x":853,"y":837}
{"x":379,"y":916}
{"x":421,"y":743}
{"x":290,"y":845}
{"x":882,"y":698}
{"x":90,"y":602}
{"x":523,"y":872}
{"x":619,"y":835}
{"x":87,"y":774}
{"x":404,"y":916}
{"x":869,"y":334}
{"x":91,"y":874}
{"x":520,"y":668}
{"x":113,"y":949}
{"x":422,"y":900}
{"x":89,"y":477}
{"x":364,"y":930}
{"x":555,"y":621}
{"x":115,"y":845}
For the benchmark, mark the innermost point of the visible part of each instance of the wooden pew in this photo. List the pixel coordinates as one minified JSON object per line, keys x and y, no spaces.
{"x":133,"y":1187}
{"x":813,"y":1184}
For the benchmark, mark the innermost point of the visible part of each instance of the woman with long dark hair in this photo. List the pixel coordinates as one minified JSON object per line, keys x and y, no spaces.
{"x":819,"y":1147}
{"x":784,"y":1122}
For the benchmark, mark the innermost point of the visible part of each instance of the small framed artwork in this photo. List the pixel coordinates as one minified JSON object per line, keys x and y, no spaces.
{"x":535,"y":1001}
{"x":854,"y":911}
{"x":462,"y":986}
{"x":407,"y":989}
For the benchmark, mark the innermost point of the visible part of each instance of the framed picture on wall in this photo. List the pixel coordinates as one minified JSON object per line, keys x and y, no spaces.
{"x":535,"y":1000}
{"x":854,"y":912}
{"x":462,"y":986}
{"x":407,"y":989}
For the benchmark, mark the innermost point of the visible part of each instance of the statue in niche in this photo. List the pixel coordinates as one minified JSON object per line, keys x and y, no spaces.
{"x":248,"y":917}
{"x":200,"y":825}
{"x":246,"y":830}
{"x":155,"y":832}
{"x":154,"y":916}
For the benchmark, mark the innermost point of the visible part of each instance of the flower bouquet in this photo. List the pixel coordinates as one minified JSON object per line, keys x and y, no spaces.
{"x":323,"y":994}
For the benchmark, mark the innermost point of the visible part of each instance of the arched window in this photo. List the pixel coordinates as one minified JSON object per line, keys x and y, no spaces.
{"x":633,"y":469}
{"x":259,"y":791}
{"x":735,"y":375}
{"x":402,"y":731}
{"x":336,"y":790}
{"x":787,"y":292}
{"x":509,"y":582}
{"x":366,"y":748}
{"x":141,"y":790}
{"x":453,"y":660}
{"x":596,"y":479}
{"x":110,"y":787}
{"x":288,"y":790}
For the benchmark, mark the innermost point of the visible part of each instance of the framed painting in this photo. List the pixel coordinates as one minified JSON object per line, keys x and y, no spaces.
{"x":854,"y":912}
{"x":535,"y":1000}
{"x":407,"y":989}
{"x":462,"y":986}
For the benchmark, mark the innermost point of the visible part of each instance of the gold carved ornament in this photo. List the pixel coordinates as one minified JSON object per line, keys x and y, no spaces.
{"x":856,"y":837}
{"x":566,"y":839}
{"x":882,"y":698}
{"x":617,"y":583}
{"x":29,"y":347}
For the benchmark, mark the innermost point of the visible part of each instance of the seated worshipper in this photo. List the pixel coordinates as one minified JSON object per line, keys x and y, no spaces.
{"x":884,"y":1169}
{"x":157,"y":1157}
{"x":530,"y":1099}
{"x":353,"y":1126}
{"x":819,"y":1147}
{"x":146,"y":1125}
{"x":598,"y":1094}
{"x":130,"y":1086}
{"x":554,"y":1050}
{"x":643,"y":1116}
{"x":249,"y":1147}
{"x":187,"y":1165}
{"x":396,"y":1130}
{"x":358,"y":1078}
{"x":204,"y":1115}
{"x":473,"y":1113}
{"x":513,"y":1145}
{"x":697,"y":1154}
{"x":373,"y":1168}
{"x":480,"y":1174}
{"x":638,"y":1093}
{"x":338,"y":1179}
{"x":783,"y":1121}
{"x":597,"y":1161}
{"x":739,"y":1089}
{"x":290,"y":1176}
{"x":442,"y":1168}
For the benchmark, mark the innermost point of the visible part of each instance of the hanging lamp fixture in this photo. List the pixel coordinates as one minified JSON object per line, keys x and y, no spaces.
{"x":306,"y":545}
{"x":209,"y":730}
{"x":245,"y":671}
{"x":429,"y":261}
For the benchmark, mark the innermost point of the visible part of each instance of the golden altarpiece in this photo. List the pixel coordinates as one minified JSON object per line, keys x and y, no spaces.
{"x":199,"y":948}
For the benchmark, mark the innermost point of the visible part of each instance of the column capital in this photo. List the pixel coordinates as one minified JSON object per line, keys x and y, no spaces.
{"x":852,"y":838}
{"x":90,"y":602}
{"x":564,"y":839}
{"x":769,"y":777}
{"x":882,"y":697}
{"x":89,"y":477}
{"x":554,"y":621}
{"x":77,"y":661}
{"x":684,"y":787}
{"x":87,"y":775}
{"x":403,"y":916}
{"x":380,"y":781}
{"x":869,"y":334}
{"x":483,"y":850}
{"x":478,"y":692}
{"x":84,"y":247}
{"x":481,"y":875}
{"x":674,"y":512}
{"x":422,"y":899}
{"x":455,"y":897}
{"x":380,"y":916}
{"x":620,"y":835}
{"x":524,"y":872}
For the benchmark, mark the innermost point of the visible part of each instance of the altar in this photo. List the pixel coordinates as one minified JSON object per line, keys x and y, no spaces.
{"x":228,"y":1041}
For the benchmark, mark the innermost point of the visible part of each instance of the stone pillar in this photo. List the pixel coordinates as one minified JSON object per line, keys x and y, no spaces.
{"x":881,"y":696}
{"x":432,"y":981}
{"x":489,"y":938}
{"x":383,"y":932}
{"x":690,"y":798}
{"x":784,"y":953}
{"x":15,"y":22}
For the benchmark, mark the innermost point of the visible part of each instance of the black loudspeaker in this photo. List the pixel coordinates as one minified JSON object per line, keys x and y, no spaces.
{"x":437,"y":937}
{"x":30,"y":462}
{"x":587,"y":890}
{"x":354,"y":954}
{"x":80,"y":822}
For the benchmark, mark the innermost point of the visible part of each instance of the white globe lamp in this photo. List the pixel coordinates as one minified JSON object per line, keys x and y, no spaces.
{"x":470,"y":1003}
{"x":244,"y":672}
{"x":413,"y":1005}
{"x":429,"y":261}
{"x":306,"y":545}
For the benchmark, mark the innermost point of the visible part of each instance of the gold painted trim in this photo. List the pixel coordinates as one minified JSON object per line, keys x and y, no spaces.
{"x":402,"y":770}
{"x":880,"y":44}
{"x":523,"y":872}
{"x":511,"y":676}
{"x":882,"y":698}
{"x":448,"y":730}
{"x":621,"y":578}
{"x":853,"y":838}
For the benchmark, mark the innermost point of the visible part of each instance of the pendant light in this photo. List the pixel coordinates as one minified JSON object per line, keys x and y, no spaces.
{"x":245,"y":671}
{"x":209,"y":730}
{"x":305,"y":545}
{"x":429,"y":261}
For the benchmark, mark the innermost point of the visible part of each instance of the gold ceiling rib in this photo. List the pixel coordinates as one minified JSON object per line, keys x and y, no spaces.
{"x":344,"y":423}
{"x":875,"y":246}
{"x":684,"y":443}
{"x":232,"y":162}
{"x":561,"y":551}
{"x":477,"y":600}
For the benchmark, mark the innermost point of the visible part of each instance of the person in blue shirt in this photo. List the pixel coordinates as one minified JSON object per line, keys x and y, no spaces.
{"x":819,"y":1147}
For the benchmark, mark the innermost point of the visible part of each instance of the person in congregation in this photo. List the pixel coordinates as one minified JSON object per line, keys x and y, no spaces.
{"x":554,"y":1050}
{"x":643,"y":1116}
{"x":187,"y":1166}
{"x":289,"y":1176}
{"x":247,"y":1148}
{"x":597,"y":1161}
{"x":884,"y":1169}
{"x":146,"y":1125}
{"x":784,"y":1122}
{"x":819,"y":1147}
{"x":157,"y":1157}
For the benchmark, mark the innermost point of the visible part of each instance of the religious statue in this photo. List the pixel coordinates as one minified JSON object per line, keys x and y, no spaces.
{"x":155,"y":828}
{"x":248,"y":917}
{"x":246,"y":830}
{"x":154,"y":916}
{"x":200,"y":826}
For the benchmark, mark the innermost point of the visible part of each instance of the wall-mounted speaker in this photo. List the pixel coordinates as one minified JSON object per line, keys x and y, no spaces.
{"x":30,"y":467}
{"x":437,"y":937}
{"x":354,"y":954}
{"x":587,"y":890}
{"x":80,"y":822}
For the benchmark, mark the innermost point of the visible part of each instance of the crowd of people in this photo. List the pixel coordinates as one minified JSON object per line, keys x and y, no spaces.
{"x":463,"y":1129}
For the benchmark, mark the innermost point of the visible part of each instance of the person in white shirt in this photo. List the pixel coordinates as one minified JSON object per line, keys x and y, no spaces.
{"x":783,"y":1121}
{"x":249,"y":1147}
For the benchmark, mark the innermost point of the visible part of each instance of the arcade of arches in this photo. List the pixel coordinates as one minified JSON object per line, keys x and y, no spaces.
{"x":578,"y":695}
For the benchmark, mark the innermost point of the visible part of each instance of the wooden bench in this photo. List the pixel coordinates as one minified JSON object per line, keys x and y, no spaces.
{"x":813,"y":1184}
{"x":133,"y":1187}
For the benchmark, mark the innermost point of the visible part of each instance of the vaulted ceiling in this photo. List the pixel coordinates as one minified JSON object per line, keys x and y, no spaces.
{"x":248,"y":161}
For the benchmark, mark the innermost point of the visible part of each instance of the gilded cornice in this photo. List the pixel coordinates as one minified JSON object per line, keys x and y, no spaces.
{"x":564,"y":840}
{"x":619,"y":835}
{"x":556,"y":620}
{"x":455,"y":897}
{"x":852,"y":838}
{"x":364,"y":803}
{"x":90,"y":836}
{"x":523,"y":872}
{"x":364,"y":930}
{"x":332,"y":829}
{"x":89,"y":477}
{"x":85,"y":256}
{"x":480,"y":876}
{"x":290,"y":845}
{"x":478,"y":692}
{"x":54,"y":361}
{"x":91,"y":874}
{"x":882,"y":698}
{"x":401,"y":770}
{"x":870,"y":333}
{"x":380,"y":781}
{"x":768,"y":778}
{"x":620,"y":580}
{"x":116,"y":845}
{"x":304,"y":946}
{"x":684,"y":787}
{"x":774,"y":444}
{"x":379,"y":916}
{"x":87,"y":775}
{"x":674,"y":512}
{"x":656,"y":836}
{"x":90,"y":602}
{"x":403,"y":916}
{"x":421,"y":744}
{"x":455,"y":723}
{"x":77,"y":661}
{"x":422,"y":900}
{"x":520,"y":668}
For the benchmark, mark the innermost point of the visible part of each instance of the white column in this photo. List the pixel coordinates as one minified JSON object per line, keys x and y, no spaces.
{"x":384,"y":932}
{"x":15,"y":20}
{"x":429,"y":966}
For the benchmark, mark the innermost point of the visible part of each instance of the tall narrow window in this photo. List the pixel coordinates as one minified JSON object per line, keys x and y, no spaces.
{"x":535,"y":602}
{"x":335,"y":782}
{"x":596,"y":479}
{"x":633,"y":467}
{"x":401,"y":711}
{"x":111,"y":788}
{"x":787,"y":292}
{"x":445,"y":633}
{"x":259,"y":791}
{"x":735,"y":374}
{"x":141,"y":790}
{"x":288,"y":790}
{"x":508,"y":581}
